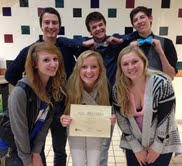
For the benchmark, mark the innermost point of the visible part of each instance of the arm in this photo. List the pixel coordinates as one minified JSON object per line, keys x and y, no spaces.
{"x":126,"y":38}
{"x":167,"y":56}
{"x":164,"y":101}
{"x":74,"y":43}
{"x":19,"y":124}
{"x":17,"y":67}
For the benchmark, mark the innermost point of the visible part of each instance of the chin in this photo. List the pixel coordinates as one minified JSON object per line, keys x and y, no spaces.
{"x":52,"y":74}
{"x":52,"y":36}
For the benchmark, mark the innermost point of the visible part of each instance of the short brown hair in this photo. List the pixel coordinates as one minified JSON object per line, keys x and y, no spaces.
{"x":145,"y":10}
{"x":94,"y":16}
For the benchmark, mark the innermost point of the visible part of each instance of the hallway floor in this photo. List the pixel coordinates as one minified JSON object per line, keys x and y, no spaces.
{"x":116,"y":156}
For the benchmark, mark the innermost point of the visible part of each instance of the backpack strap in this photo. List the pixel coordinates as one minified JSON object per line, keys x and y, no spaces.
{"x":31,"y":97}
{"x":26,"y":87}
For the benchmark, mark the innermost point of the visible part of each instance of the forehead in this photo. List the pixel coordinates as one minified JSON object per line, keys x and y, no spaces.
{"x":90,"y":59}
{"x":49,"y":16}
{"x":130,"y":56}
{"x":140,"y":13}
{"x":95,"y":23}
{"x":44,"y":54}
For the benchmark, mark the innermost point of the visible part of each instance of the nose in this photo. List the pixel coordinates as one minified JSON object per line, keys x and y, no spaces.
{"x":53,"y":63}
{"x":139,"y":21}
{"x":98,"y":28}
{"x":89,"y":69}
{"x":130,"y":66}
{"x":50,"y":25}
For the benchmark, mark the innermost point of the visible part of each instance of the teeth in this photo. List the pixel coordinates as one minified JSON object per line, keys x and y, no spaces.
{"x":132,"y":72}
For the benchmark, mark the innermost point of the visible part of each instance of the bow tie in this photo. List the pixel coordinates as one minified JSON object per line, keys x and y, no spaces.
{"x":147,"y":40}
{"x":103,"y":44}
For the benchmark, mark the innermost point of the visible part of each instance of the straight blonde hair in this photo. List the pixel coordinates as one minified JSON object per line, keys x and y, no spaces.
{"x":124,"y":83}
{"x":56,"y":84}
{"x":75,"y":85}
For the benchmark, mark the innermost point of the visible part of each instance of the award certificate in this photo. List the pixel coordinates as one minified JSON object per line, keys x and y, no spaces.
{"x":90,"y":120}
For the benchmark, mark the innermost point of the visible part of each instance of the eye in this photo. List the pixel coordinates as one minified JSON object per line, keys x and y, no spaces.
{"x":93,"y":27}
{"x":143,"y":16}
{"x":84,"y":67}
{"x":46,"y":60}
{"x":55,"y":59}
{"x":101,"y":24}
{"x":124,"y":64}
{"x":94,"y":67}
{"x":134,"y":62}
{"x":46,"y":22}
{"x":55,"y":23}
{"x":135,"y":20}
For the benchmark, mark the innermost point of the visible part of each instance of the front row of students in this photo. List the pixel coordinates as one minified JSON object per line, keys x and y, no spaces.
{"x":143,"y":102}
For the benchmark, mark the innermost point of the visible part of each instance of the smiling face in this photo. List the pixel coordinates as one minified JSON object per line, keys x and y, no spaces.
{"x":142,"y":23}
{"x":47,"y":65}
{"x":98,"y":30}
{"x":132,"y":66}
{"x":89,"y":72}
{"x":50,"y":26}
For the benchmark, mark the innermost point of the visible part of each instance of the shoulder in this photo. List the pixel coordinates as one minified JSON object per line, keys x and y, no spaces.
{"x":159,"y":76}
{"x":25,"y":49}
{"x":161,"y":81}
{"x":17,"y":95}
{"x":22,"y":91}
{"x":166,"y":40}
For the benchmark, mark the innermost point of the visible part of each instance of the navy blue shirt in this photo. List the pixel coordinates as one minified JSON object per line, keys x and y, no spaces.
{"x":17,"y":67}
{"x":109,"y":54}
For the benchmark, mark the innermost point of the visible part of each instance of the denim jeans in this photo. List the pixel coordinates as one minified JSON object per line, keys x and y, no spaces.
{"x":59,"y":138}
{"x":43,"y":157}
{"x":104,"y":149}
{"x":163,"y":159}
{"x":13,"y":160}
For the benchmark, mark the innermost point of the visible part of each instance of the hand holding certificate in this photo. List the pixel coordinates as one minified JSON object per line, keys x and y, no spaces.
{"x":90,"y":120}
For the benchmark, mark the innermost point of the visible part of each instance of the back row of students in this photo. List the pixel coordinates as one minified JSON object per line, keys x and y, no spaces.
{"x":88,"y":82}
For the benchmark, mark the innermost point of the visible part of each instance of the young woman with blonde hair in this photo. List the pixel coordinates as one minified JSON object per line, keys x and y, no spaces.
{"x":144,"y":102}
{"x":31,"y":113}
{"x":87,"y":85}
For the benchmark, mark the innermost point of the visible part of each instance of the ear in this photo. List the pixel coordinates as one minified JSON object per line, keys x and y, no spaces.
{"x":41,"y":28}
{"x":90,"y":33}
{"x":34,"y":65}
{"x":151,"y":19}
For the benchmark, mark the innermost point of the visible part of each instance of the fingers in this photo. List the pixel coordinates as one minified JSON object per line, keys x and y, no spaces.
{"x":114,"y":40}
{"x":134,"y":43}
{"x":142,"y":163}
{"x":93,"y":46}
{"x":152,"y":156}
{"x":113,"y":119}
{"x":150,"y":162}
{"x":65,"y":120}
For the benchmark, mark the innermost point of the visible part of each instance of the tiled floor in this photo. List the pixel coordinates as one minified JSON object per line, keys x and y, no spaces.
{"x":116,"y":156}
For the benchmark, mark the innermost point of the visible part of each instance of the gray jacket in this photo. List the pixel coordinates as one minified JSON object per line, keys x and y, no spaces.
{"x":21,"y":123}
